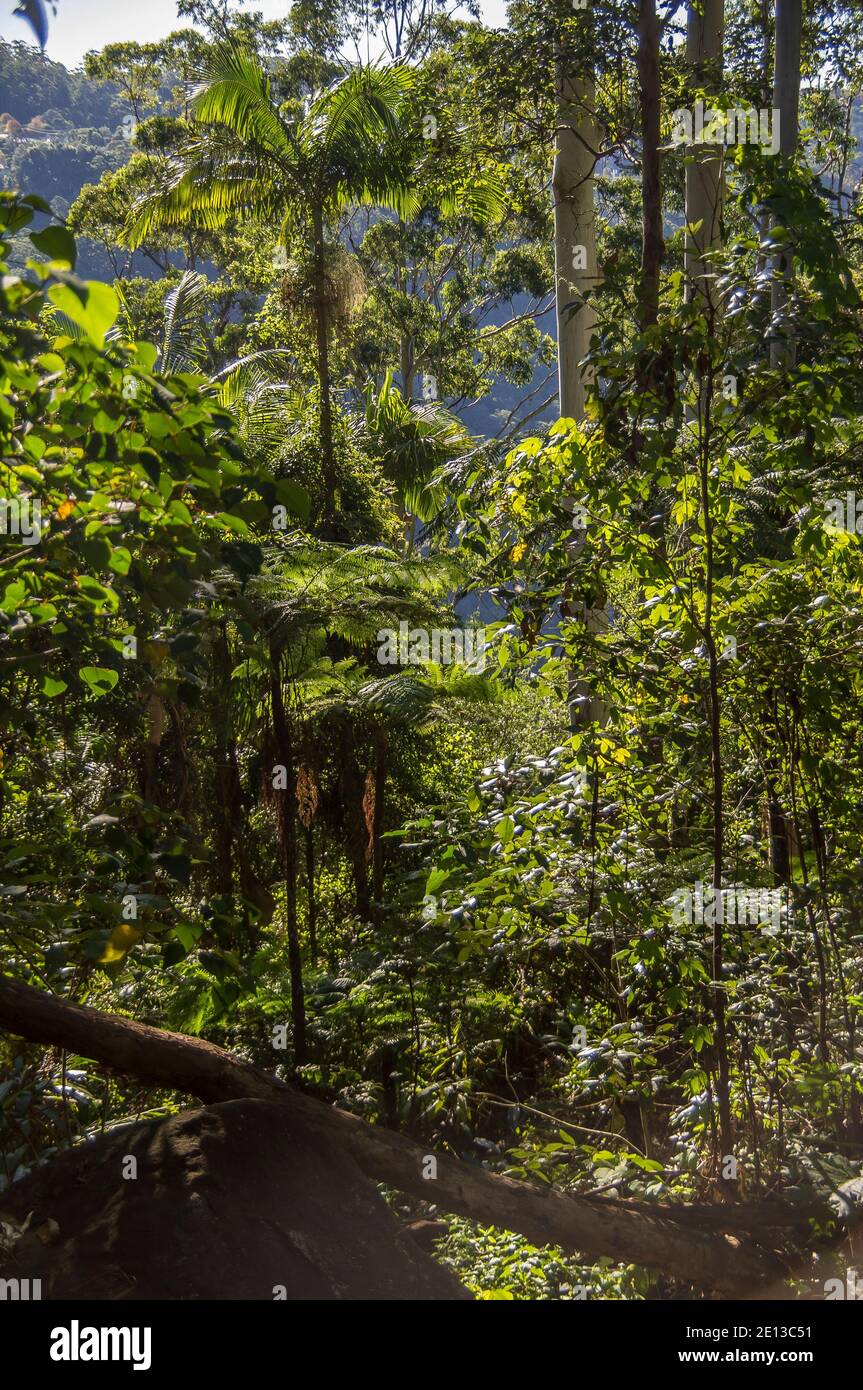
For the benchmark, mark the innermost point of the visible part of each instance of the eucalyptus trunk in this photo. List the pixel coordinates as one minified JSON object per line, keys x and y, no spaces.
{"x":575,"y":278}
{"x":406,"y":342}
{"x":575,"y":269}
{"x":652,"y":243}
{"x":766,"y":75}
{"x":704,"y":31}
{"x":786,"y":110}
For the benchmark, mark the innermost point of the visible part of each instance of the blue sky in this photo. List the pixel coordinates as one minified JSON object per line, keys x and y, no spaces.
{"x":84,"y":24}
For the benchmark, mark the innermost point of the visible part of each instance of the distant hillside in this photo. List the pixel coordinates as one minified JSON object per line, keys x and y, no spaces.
{"x":58,"y":131}
{"x":31,"y":84}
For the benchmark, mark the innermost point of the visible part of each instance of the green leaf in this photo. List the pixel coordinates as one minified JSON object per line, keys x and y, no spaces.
{"x":435,"y":880}
{"x":294,"y":497}
{"x":94,"y":308}
{"x":51,"y":687}
{"x":98,"y":593}
{"x":173,"y":952}
{"x":57,"y":243}
{"x":505,"y":830}
{"x":214,"y":964}
{"x":179,"y":866}
{"x":100,"y":679}
{"x":120,"y":560}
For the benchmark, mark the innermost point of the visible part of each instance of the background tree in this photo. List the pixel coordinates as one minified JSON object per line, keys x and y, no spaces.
{"x":303,"y":172}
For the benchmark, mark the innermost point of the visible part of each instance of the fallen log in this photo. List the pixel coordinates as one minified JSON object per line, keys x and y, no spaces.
{"x":590,"y":1227}
{"x":232,"y":1201}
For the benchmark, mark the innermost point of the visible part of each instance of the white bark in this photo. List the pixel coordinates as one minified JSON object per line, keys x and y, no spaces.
{"x":786,"y":109}
{"x":704,"y":170}
{"x":575,"y":269}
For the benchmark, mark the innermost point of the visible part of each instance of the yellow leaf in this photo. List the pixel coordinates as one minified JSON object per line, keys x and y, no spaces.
{"x":120,"y":943}
{"x":65,"y":509}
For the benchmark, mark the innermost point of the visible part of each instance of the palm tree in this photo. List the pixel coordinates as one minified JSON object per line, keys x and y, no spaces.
{"x":301,"y":168}
{"x":414,"y":442}
{"x":258,"y":387}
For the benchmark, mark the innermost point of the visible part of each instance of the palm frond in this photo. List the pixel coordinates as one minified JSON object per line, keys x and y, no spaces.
{"x":414,"y":441}
{"x":213,"y":183}
{"x":184,"y":339}
{"x":246,"y":155}
{"x":246,"y":377}
{"x":236,"y":93}
{"x":124,"y":329}
{"x":365,"y":104}
{"x":262,"y":391}
{"x":354,"y":127}
{"x":64,"y":326}
{"x":482,"y":199}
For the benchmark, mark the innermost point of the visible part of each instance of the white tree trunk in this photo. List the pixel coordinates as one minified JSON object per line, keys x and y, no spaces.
{"x":575,"y":269}
{"x":786,"y":108}
{"x":704,"y":171}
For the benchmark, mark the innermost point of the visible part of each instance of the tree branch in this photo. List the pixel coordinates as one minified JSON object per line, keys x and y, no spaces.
{"x":589,"y":1226}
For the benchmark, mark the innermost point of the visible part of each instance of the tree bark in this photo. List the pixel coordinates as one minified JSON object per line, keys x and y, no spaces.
{"x":310,"y":893}
{"x":406,"y":357}
{"x":575,"y":278}
{"x":590,"y":1226}
{"x":288,"y":828}
{"x":352,"y":796}
{"x":786,"y":106}
{"x":652,"y":243}
{"x":777,"y":829}
{"x":575,"y":270}
{"x":704,"y":166}
{"x":378,"y":821}
{"x":157,"y":720}
{"x":322,"y":331}
{"x":228,"y":790}
{"x":718,"y":996}
{"x":766,"y":74}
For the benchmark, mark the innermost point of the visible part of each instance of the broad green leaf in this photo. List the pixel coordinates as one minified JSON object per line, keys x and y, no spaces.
{"x":100,"y":679}
{"x":57,"y":243}
{"x":94,"y":310}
